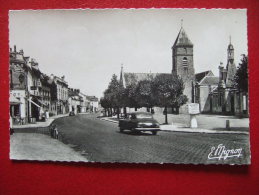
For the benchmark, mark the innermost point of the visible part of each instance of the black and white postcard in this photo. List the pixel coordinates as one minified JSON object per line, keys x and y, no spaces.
{"x":129,"y":86}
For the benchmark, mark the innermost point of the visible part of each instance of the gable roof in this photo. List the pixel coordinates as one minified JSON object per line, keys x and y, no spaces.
{"x":209,"y":80}
{"x":201,"y":75}
{"x":182,"y":39}
{"x":131,"y":78}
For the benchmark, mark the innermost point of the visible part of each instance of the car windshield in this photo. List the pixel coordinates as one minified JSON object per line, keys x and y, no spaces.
{"x":140,"y":116}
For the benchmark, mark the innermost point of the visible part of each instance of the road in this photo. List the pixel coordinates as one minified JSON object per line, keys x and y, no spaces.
{"x":101,"y":141}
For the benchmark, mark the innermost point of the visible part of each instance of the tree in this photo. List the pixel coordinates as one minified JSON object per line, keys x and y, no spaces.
{"x":144,"y":95}
{"x":168,"y":91}
{"x":241,"y":76}
{"x":106,"y":104}
{"x":114,"y":94}
{"x":130,"y":95}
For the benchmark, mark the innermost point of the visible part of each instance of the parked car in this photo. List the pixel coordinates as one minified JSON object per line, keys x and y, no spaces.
{"x":139,"y":121}
{"x":72,"y":113}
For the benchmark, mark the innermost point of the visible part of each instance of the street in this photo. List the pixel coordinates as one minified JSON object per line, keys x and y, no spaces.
{"x":101,"y":141}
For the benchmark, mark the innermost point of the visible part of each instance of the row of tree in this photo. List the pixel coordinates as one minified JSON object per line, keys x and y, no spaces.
{"x":164,"y":90}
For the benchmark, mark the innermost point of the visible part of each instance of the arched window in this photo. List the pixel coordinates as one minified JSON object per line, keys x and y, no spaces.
{"x":185,"y":62}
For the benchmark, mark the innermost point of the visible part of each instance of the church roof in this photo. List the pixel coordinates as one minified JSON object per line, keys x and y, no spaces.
{"x":182,"y":39}
{"x":209,"y":80}
{"x":131,"y":78}
{"x":201,"y":75}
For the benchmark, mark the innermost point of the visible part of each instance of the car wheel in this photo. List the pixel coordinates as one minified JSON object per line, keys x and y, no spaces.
{"x":154,"y":132}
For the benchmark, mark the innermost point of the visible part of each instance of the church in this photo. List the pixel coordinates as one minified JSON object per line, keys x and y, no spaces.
{"x":214,"y":94}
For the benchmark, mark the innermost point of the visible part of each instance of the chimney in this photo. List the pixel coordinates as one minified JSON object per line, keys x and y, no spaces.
{"x":14,"y":48}
{"x":63,"y":77}
{"x":52,"y":76}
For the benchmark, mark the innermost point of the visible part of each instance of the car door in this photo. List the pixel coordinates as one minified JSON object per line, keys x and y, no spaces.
{"x":123,"y":123}
{"x":132,"y":121}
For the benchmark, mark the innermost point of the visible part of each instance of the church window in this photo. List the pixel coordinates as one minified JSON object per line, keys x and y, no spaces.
{"x":185,"y":62}
{"x":185,"y":70}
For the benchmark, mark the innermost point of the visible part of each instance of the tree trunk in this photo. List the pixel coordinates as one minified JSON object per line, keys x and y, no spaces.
{"x":110,"y":112}
{"x":166,"y":121}
{"x":118,"y":113}
{"x":177,"y":110}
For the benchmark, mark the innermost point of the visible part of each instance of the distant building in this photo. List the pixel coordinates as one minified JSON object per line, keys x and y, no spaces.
{"x":85,"y":104}
{"x":94,"y":103}
{"x":59,"y":95}
{"x":74,"y":100}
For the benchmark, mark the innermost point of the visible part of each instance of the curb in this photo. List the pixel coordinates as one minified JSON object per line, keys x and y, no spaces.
{"x":207,"y":131}
{"x":189,"y":130}
{"x":40,"y":126}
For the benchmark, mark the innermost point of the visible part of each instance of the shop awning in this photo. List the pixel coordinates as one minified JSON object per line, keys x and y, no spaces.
{"x":42,"y":103}
{"x":13,"y":100}
{"x":34,"y":103}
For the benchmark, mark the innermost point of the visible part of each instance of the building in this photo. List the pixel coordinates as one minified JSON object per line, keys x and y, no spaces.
{"x":85,"y":103}
{"x":182,"y":63}
{"x":74,"y":100}
{"x":226,"y":98}
{"x":45,"y":92}
{"x":37,"y":108}
{"x":206,"y":82}
{"x":59,"y":95}
{"x":29,"y":86}
{"x":18,"y":86}
{"x":94,"y":103}
{"x":182,"y":66}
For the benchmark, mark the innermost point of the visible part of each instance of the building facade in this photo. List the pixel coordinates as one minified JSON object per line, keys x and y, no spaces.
{"x":85,"y":104}
{"x":182,"y":63}
{"x":59,"y":95}
{"x":18,"y":86}
{"x":74,"y":100}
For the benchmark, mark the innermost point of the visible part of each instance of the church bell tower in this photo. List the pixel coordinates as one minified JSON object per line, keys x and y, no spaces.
{"x":182,"y":62}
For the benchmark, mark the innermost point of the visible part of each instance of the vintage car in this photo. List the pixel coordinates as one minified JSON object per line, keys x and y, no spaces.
{"x":139,"y":121}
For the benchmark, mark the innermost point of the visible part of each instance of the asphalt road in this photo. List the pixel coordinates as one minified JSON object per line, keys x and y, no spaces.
{"x":101,"y":141}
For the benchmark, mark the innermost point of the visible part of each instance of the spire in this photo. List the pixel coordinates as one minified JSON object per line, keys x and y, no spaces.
{"x":230,"y":46}
{"x":182,"y":38}
{"x":122,"y":76}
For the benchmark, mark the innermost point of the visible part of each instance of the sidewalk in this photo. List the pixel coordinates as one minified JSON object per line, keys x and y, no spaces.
{"x":178,"y":127}
{"x":40,"y":124}
{"x":34,"y":146}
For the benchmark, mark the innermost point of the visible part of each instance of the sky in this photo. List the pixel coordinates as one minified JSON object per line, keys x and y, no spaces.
{"x":88,"y":46}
